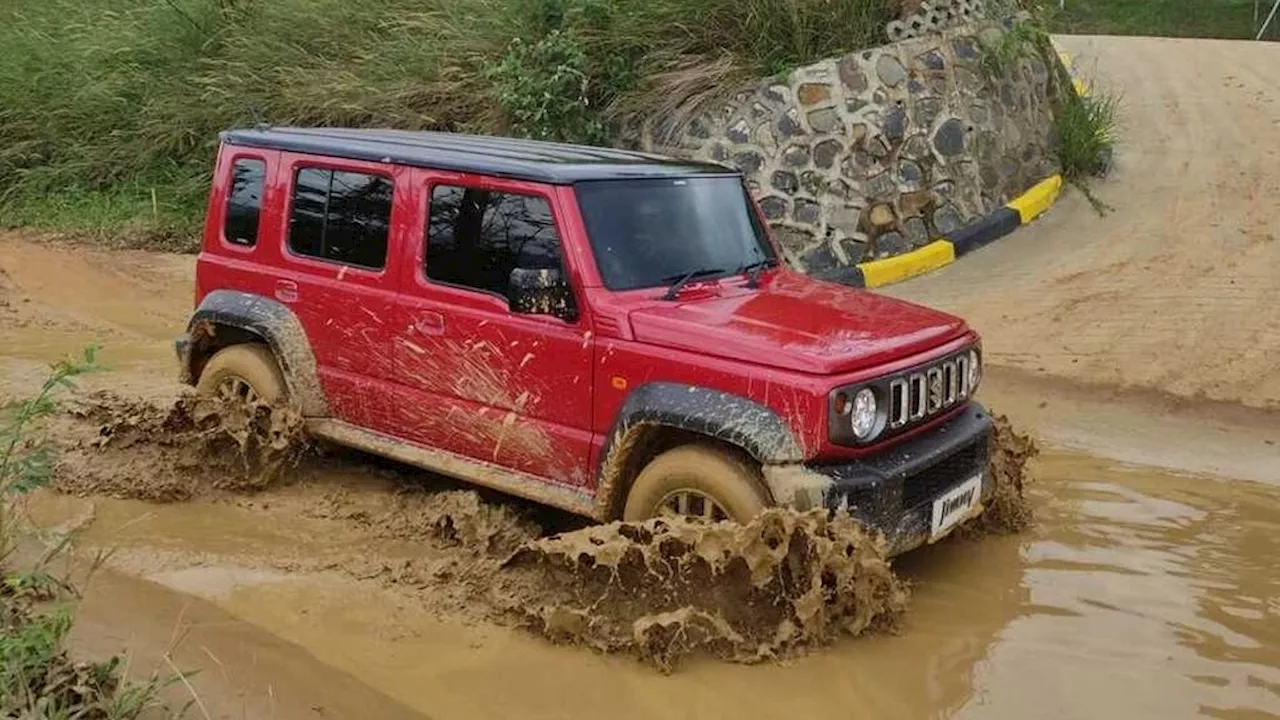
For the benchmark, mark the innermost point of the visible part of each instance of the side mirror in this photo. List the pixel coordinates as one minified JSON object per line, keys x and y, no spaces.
{"x":541,"y":291}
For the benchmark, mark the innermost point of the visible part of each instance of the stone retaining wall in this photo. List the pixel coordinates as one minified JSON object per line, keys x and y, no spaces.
{"x":878,"y":152}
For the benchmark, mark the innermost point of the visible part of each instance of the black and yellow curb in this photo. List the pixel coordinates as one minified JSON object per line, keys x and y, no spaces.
{"x":944,"y":251}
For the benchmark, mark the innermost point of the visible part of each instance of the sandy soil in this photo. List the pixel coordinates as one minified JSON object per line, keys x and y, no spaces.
{"x":1175,"y":290}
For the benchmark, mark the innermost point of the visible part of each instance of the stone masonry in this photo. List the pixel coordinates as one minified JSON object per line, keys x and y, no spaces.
{"x":881,"y":151}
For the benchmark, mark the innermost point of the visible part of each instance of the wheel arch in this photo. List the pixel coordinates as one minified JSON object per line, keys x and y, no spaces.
{"x":229,"y":317}
{"x":659,"y":416}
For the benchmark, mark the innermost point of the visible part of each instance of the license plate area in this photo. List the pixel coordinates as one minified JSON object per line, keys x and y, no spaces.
{"x":955,"y":506}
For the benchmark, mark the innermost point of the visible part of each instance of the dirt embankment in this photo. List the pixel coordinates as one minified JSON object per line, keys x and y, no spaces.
{"x":1173,"y":291}
{"x":658,"y":590}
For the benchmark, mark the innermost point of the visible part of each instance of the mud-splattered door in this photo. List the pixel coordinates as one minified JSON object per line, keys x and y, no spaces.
{"x":512,"y":389}
{"x":336,"y":271}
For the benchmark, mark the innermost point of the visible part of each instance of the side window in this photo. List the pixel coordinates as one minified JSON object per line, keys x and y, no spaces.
{"x":341,"y":216}
{"x":475,"y":238}
{"x":244,"y":202}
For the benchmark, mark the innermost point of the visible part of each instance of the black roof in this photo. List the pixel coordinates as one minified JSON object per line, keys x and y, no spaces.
{"x":548,"y":162}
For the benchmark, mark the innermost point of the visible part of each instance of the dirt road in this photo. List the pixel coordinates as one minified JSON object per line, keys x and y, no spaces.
{"x":1141,"y":593}
{"x":1175,"y":290}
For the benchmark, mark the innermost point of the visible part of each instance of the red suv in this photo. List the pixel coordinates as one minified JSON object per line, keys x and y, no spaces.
{"x":606,"y":332}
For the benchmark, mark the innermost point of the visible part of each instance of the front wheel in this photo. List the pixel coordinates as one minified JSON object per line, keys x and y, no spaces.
{"x":247,"y":373}
{"x":697,"y":481}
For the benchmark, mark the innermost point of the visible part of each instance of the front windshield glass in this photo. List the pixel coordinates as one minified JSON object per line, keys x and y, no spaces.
{"x":653,"y":232}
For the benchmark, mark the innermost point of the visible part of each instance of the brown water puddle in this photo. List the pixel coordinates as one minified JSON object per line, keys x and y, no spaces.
{"x":237,"y":669}
{"x":1140,"y":594}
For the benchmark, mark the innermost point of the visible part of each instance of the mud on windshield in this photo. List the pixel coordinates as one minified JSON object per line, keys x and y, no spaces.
{"x":656,"y":231}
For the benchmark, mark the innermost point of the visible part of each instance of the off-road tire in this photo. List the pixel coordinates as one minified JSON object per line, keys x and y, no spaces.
{"x":733,"y":482}
{"x":253,"y":364}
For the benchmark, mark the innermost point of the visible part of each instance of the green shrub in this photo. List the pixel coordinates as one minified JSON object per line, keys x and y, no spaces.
{"x":544,"y":88}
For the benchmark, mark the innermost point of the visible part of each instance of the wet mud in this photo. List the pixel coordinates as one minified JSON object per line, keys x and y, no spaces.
{"x":666,"y":588}
{"x":660,"y":591}
{"x":1009,"y":510}
{"x":120,"y":447}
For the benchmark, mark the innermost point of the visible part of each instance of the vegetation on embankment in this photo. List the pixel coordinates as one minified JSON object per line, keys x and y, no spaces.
{"x":109,"y":109}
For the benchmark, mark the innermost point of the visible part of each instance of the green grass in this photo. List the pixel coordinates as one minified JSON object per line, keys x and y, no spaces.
{"x":105,"y":102}
{"x":1087,"y":128}
{"x":1230,"y":19}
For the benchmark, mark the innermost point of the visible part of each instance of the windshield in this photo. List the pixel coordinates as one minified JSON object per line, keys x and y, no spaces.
{"x":653,"y":232}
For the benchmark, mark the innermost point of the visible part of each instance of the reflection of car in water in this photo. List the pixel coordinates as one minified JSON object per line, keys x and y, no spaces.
{"x":603,"y":331}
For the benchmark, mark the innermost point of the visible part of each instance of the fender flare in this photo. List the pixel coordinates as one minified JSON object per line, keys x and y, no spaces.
{"x":270,"y":320}
{"x":734,"y":419}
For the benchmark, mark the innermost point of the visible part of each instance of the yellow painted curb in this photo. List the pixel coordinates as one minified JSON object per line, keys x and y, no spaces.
{"x":1035,"y":201}
{"x":901,"y":267}
{"x":1077,"y":78}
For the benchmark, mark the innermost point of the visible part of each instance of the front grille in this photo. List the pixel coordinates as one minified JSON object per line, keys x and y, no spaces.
{"x":925,"y":392}
{"x":949,"y":471}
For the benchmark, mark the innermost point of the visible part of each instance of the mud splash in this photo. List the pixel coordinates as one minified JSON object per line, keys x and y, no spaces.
{"x":660,"y":591}
{"x":135,"y":449}
{"x":668,"y":587}
{"x":450,"y":519}
{"x":1008,"y":511}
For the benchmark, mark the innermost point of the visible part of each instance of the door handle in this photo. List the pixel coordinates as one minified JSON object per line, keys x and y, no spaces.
{"x":429,"y":322}
{"x":286,"y":291}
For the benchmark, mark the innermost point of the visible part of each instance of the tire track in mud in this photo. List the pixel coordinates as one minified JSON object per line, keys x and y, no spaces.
{"x":660,"y":590}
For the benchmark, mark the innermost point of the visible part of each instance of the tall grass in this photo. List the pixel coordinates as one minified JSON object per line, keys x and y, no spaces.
{"x":109,"y":109}
{"x":1086,"y":133}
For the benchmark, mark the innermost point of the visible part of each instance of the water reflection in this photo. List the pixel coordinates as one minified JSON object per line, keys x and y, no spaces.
{"x":1149,"y":595}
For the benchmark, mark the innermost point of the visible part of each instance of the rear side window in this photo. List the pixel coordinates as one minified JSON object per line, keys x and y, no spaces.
{"x":475,"y":238}
{"x":341,"y":216}
{"x":244,"y":202}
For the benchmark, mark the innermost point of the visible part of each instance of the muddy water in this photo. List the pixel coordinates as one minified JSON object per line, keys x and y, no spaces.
{"x":1139,"y":594}
{"x":238,"y":670}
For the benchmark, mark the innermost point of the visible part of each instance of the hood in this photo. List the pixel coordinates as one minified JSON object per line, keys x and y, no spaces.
{"x":797,"y":323}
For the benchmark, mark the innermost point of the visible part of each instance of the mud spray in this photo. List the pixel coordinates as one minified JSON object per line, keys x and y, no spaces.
{"x":668,"y":587}
{"x":660,"y":590}
{"x":126,"y":448}
{"x":1008,"y":511}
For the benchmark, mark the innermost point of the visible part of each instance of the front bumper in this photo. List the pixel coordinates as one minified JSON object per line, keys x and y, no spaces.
{"x":893,"y":491}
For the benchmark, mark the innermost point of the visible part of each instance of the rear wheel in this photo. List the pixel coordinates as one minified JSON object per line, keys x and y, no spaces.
{"x":697,"y":481}
{"x":246,"y":373}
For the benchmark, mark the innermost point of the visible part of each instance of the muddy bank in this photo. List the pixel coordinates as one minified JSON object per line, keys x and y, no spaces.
{"x":661,"y":590}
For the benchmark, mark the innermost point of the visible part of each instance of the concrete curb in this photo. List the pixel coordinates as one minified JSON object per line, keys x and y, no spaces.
{"x":944,"y":251}
{"x":1078,"y":80}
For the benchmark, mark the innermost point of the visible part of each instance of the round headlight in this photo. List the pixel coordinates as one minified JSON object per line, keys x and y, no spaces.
{"x":863,"y":419}
{"x":975,"y":370}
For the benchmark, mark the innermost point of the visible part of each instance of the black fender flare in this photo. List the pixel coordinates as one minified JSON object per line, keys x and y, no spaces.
{"x":734,"y":419}
{"x":270,"y":320}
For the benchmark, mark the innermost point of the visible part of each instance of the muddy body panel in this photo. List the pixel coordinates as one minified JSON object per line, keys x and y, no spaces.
{"x":264,"y":320}
{"x":894,"y":491}
{"x":720,"y":415}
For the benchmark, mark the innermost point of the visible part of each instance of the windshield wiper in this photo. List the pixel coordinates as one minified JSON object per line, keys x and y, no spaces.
{"x":682,"y":280}
{"x":753,"y":271}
